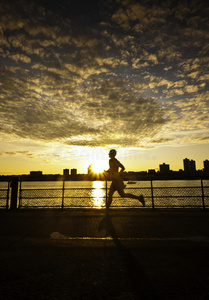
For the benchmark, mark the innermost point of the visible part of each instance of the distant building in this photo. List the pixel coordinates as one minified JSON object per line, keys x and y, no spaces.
{"x":186,"y":163}
{"x":189,"y":166}
{"x":151,"y":172}
{"x":192,"y":166}
{"x":164,"y":169}
{"x":66,"y":172}
{"x":206,"y":166}
{"x":73,"y":172}
{"x":90,"y":171}
{"x":35,"y":173}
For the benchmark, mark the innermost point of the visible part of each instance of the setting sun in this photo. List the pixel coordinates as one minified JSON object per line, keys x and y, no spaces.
{"x":98,"y":166}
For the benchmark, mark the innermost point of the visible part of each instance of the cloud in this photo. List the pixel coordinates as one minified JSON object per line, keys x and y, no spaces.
{"x":190,"y":118}
{"x":162,"y":140}
{"x":102,"y":81}
{"x":191,"y":88}
{"x":109,"y":113}
{"x":15,"y":153}
{"x":134,"y":15}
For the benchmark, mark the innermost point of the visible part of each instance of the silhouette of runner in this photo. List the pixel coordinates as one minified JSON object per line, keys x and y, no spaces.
{"x":117,"y":180}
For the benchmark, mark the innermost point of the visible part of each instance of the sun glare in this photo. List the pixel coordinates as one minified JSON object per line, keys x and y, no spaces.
{"x":99,"y":166}
{"x":98,"y":193}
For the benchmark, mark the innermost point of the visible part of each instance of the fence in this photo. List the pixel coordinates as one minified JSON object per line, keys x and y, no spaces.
{"x":155,"y":197}
{"x":4,"y":197}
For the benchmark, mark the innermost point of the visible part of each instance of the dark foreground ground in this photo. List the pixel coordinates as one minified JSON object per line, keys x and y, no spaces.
{"x":78,"y":254}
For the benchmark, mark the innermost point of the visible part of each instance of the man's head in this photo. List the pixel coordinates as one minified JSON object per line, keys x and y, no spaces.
{"x":112,"y":153}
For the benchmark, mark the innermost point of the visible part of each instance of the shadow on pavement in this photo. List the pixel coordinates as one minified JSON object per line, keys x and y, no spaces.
{"x":142,"y":286}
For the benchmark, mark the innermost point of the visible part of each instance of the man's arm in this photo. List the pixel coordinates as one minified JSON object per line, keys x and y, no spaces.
{"x":122,"y":168}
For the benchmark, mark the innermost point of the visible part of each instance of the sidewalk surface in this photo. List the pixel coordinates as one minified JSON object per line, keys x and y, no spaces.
{"x":86,"y":254}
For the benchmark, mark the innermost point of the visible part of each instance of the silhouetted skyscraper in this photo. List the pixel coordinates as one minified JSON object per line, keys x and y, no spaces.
{"x":192,"y":166}
{"x":186,"y":165}
{"x":66,"y":172}
{"x":189,"y":166}
{"x":164,"y":169}
{"x":206,"y":166}
{"x":73,"y":172}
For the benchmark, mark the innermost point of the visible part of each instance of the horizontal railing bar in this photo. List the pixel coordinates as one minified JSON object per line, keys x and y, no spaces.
{"x":41,"y":189}
{"x":168,"y":196}
{"x":60,"y":189}
{"x":52,"y":197}
{"x":177,"y":187}
{"x":27,"y":197}
{"x":138,"y":188}
{"x":160,"y":197}
{"x":32,"y":198}
{"x":73,"y":205}
{"x":24,"y":198}
{"x":198,"y":196}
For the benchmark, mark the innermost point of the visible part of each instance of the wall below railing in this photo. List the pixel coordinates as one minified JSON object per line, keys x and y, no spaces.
{"x":15,"y":197}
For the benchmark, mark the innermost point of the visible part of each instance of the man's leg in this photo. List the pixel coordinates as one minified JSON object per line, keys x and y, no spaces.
{"x":111,"y":192}
{"x":129,"y":195}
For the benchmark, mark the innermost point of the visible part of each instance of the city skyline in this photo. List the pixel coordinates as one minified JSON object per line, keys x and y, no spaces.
{"x":100,"y":163}
{"x":81,"y":77}
{"x":162,"y":168}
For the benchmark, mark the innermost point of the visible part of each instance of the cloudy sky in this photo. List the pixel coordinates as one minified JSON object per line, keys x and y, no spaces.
{"x":80,"y":77}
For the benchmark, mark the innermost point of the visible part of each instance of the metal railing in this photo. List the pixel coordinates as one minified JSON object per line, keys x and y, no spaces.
{"x":74,"y":197}
{"x":62,"y":198}
{"x":155,"y":197}
{"x":4,"y":197}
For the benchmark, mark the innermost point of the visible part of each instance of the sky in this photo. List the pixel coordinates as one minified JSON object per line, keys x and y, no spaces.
{"x":79,"y":78}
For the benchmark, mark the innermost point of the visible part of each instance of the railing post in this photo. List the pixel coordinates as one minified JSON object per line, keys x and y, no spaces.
{"x":14,"y":186}
{"x":203,"y":197}
{"x":152,"y":195}
{"x":20,"y":194}
{"x":106,"y":191}
{"x":7,"y":203}
{"x":63,"y":193}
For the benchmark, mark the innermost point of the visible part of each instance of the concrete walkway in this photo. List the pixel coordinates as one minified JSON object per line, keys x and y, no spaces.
{"x":86,"y":254}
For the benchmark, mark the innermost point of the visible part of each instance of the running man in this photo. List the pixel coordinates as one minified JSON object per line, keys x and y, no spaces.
{"x":117,"y":180}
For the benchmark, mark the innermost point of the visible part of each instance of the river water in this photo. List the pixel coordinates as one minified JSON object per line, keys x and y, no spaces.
{"x":92,"y":184}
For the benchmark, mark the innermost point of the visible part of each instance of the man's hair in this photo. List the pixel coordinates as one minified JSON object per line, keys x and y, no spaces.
{"x":113,"y":151}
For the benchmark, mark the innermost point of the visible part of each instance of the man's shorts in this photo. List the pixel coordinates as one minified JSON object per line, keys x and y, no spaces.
{"x":117,"y":185}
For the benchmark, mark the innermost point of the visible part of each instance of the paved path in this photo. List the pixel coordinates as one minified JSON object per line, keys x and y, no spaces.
{"x":85,"y":254}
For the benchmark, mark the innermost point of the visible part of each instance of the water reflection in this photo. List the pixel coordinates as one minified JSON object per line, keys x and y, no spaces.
{"x":98,"y":194}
